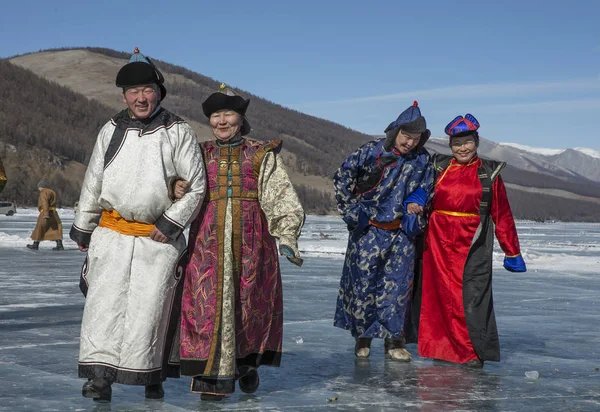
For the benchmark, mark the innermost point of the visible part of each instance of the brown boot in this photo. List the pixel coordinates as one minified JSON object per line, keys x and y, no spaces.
{"x":362,"y":348}
{"x":395,"y":349}
{"x":474,"y":363}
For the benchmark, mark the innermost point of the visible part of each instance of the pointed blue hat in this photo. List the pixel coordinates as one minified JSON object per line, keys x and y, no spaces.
{"x":410,"y":121}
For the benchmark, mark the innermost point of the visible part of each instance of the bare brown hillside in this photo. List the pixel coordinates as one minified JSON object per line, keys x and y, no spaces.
{"x":310,"y":158}
{"x":92,"y":75}
{"x":49,"y":128}
{"x":54,"y":102}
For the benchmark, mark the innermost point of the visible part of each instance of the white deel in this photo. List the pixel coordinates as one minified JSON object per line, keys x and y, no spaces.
{"x":131,"y":298}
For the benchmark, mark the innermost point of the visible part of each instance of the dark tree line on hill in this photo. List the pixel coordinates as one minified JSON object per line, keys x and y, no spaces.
{"x":320,"y":145}
{"x":35,"y":113}
{"x":315,"y":201}
{"x":26,"y":166}
{"x":521,"y":177}
{"x":541,"y":207}
{"x":40,"y":113}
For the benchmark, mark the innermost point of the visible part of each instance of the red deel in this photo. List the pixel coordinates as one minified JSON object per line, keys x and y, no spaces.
{"x":443,"y":330}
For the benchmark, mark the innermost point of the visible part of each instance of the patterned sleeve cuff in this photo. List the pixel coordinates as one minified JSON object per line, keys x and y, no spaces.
{"x":169,"y":227}
{"x":80,"y":236}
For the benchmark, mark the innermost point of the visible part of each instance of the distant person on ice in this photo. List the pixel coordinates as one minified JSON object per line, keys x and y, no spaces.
{"x":2,"y":176}
{"x":232,"y":310}
{"x":49,"y":225}
{"x":132,"y":230}
{"x":378,"y":189}
{"x":457,"y":322}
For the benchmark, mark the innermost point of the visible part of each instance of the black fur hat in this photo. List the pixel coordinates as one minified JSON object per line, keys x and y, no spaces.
{"x":140,"y":70}
{"x":227,"y":99}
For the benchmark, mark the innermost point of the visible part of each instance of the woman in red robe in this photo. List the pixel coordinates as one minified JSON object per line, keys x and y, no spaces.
{"x":457,"y":322}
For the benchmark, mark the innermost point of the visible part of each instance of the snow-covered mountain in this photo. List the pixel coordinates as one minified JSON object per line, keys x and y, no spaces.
{"x":576,"y":164}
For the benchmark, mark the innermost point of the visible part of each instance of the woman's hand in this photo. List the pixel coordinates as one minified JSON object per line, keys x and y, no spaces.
{"x":414,"y":209}
{"x":181,"y":188}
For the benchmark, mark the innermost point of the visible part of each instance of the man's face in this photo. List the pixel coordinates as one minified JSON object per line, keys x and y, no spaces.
{"x":405,"y":141}
{"x":141,"y":100}
{"x":225,"y":124}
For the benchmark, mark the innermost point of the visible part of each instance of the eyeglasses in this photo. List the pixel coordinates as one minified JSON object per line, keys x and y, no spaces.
{"x":463,"y":143}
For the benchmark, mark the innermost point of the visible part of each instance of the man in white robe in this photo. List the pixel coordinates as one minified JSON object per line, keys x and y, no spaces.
{"x":132,"y":232}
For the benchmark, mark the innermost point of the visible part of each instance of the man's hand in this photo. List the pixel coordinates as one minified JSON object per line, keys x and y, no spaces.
{"x":414,"y":209}
{"x":181,"y":188}
{"x":82,"y":247}
{"x":158,"y":236}
{"x":46,"y":217}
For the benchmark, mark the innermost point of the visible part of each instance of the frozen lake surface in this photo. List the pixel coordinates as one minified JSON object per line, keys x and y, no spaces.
{"x":548,"y":318}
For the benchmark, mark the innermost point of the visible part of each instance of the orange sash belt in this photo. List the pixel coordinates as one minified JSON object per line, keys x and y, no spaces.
{"x":113,"y":220}
{"x":450,"y":213}
{"x":50,"y":208}
{"x":393,"y":225}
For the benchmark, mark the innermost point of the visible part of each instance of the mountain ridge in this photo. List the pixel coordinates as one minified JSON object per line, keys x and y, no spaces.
{"x":313,"y":147}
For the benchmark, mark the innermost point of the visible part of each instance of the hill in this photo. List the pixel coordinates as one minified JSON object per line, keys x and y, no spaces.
{"x":57,"y":100}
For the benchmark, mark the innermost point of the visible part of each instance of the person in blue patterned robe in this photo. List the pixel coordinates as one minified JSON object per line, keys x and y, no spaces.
{"x":381,"y":190}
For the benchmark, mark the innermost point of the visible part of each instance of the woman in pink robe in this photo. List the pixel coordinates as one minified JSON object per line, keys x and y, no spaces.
{"x":232,"y":307}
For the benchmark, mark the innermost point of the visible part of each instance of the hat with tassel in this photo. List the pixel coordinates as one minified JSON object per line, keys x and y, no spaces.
{"x":139,"y":71}
{"x":227,"y":99}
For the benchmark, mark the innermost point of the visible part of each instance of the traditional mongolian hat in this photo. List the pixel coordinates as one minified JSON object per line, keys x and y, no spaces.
{"x":410,"y":121}
{"x":227,"y":99}
{"x":463,"y":126}
{"x":140,"y":70}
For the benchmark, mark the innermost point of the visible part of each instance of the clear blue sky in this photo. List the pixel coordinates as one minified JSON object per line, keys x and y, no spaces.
{"x":529,"y":70}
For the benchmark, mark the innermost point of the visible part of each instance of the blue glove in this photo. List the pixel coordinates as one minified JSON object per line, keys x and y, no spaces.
{"x":515,"y":264}
{"x":419,"y":196}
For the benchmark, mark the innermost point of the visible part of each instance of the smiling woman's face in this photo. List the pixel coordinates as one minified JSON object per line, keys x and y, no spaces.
{"x":464,"y":148}
{"x":225,"y":124}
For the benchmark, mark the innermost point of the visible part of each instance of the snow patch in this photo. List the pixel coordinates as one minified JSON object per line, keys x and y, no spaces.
{"x":538,"y":150}
{"x":589,"y":152}
{"x":7,"y":240}
{"x":31,"y":211}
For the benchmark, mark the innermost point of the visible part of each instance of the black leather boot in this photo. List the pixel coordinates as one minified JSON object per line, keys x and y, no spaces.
{"x":250,"y":381}
{"x":35,"y":245}
{"x":155,"y":391}
{"x":99,"y":389}
{"x":211,"y":397}
{"x":59,"y":245}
